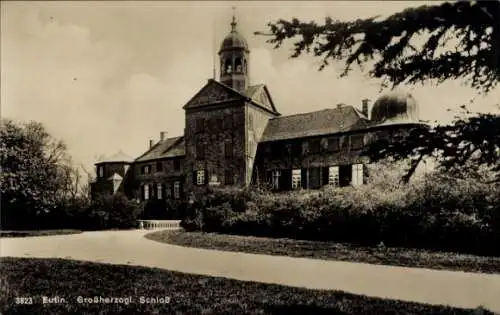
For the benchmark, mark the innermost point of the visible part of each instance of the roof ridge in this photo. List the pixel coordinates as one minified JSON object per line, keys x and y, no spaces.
{"x":315,"y":111}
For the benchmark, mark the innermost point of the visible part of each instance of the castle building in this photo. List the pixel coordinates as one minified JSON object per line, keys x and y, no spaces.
{"x":235,"y":135}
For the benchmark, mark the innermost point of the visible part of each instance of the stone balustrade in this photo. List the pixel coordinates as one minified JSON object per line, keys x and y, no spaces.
{"x":159,"y":224}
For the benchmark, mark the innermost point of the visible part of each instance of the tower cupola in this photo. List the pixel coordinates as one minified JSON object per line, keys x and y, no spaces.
{"x":234,"y":56}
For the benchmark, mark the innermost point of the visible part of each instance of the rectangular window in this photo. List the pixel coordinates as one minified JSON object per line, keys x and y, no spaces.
{"x":296,"y":149}
{"x":159,"y":191}
{"x":200,"y":177}
{"x":228,"y":178}
{"x":159,"y":166}
{"x":218,"y":125}
{"x":200,"y":151}
{"x":177,"y":165}
{"x":168,"y":191}
{"x":334,"y":144}
{"x":146,"y":192}
{"x":296,"y":179}
{"x":314,"y":146}
{"x":357,"y":142}
{"x":228,"y":122}
{"x":305,"y":148}
{"x":147,"y":169}
{"x":333,"y":176}
{"x":177,"y":190}
{"x":199,"y":125}
{"x":357,"y":175}
{"x":101,"y":171}
{"x":228,"y":149}
{"x":276,"y":179}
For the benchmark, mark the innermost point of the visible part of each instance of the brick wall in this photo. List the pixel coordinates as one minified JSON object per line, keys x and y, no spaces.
{"x":293,"y":154}
{"x":215,"y":134}
{"x":166,"y":176}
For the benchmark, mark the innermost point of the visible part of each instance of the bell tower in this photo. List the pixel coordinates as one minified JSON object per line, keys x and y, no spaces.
{"x":234,"y":57}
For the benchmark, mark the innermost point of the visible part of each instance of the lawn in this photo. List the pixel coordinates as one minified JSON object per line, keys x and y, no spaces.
{"x":185,"y":293}
{"x":26,"y":233}
{"x":331,"y":251}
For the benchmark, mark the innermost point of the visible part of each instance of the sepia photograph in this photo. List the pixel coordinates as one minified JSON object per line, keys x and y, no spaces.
{"x":250,"y":157}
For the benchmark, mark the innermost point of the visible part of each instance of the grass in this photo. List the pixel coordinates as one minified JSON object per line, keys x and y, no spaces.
{"x":27,"y":233}
{"x":187,"y":294}
{"x":331,"y":251}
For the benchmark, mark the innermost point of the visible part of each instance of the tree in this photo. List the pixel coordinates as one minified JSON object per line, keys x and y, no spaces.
{"x":35,"y":173}
{"x":390,"y":48}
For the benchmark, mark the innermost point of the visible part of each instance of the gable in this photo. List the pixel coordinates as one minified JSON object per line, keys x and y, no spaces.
{"x":260,"y":95}
{"x":212,"y":93}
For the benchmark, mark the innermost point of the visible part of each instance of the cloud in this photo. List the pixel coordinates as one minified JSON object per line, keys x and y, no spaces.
{"x":110,"y":79}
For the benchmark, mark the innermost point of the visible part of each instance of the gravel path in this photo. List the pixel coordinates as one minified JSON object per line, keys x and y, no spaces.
{"x":458,"y":289}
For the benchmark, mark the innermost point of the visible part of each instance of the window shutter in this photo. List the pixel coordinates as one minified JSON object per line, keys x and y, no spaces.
{"x":269,"y":176}
{"x":324,"y":175}
{"x":194,"y":178}
{"x":286,"y":180}
{"x":142,"y":192}
{"x":206,"y":177}
{"x":303,"y":178}
{"x":366,"y":174}
{"x":181,"y":189}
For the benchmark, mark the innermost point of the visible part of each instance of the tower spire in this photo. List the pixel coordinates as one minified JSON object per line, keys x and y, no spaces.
{"x":213,"y":47}
{"x":233,"y":23}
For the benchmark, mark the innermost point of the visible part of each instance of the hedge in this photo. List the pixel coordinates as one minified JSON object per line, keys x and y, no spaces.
{"x":435,"y":212}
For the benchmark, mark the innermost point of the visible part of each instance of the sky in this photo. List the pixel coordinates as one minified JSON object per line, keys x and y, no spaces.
{"x":108,"y":76}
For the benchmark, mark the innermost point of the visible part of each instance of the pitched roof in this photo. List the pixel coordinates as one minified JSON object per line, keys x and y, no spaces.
{"x":117,"y":158}
{"x":323,"y":122}
{"x":212,"y":93}
{"x":170,"y":147}
{"x":215,"y":92}
{"x":260,"y":94}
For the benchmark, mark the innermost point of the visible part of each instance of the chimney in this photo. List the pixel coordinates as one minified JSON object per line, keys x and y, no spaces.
{"x":163,"y":136}
{"x":151,"y":143}
{"x":364,"y":108}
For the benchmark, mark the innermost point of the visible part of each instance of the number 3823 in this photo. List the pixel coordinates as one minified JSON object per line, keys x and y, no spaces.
{"x":24,"y":300}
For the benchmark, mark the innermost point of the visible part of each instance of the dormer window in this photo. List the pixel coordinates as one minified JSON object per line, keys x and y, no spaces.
{"x":100,"y":171}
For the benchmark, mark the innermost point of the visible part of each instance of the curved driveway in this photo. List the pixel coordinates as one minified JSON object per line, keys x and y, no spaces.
{"x":459,"y":289}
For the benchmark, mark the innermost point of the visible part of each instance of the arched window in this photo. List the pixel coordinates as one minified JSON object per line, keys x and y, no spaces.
{"x":238,"y":65}
{"x":227,"y":66}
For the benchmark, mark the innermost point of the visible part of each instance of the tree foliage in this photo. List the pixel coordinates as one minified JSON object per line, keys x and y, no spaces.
{"x":471,"y":28}
{"x":468,"y":146}
{"x":462,"y":42}
{"x":36,"y":172}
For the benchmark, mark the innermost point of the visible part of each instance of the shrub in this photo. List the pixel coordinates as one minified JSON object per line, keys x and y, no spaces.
{"x":111,"y":212}
{"x":434,"y":211}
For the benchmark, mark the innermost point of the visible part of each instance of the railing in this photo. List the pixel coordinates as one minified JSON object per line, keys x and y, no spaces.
{"x":159,"y":224}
